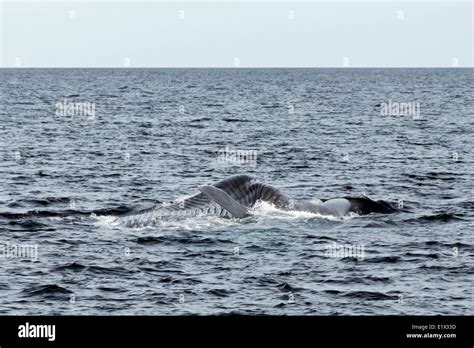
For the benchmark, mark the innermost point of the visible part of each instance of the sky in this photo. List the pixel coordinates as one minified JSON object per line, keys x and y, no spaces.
{"x":248,"y":33}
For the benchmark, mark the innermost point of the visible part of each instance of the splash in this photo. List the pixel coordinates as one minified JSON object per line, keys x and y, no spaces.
{"x":183,"y":222}
{"x":266,"y":210}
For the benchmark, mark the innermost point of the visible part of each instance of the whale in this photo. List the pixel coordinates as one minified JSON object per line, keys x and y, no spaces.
{"x":234,"y":197}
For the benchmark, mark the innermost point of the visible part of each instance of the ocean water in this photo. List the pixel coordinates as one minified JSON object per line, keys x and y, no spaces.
{"x":154,"y":135}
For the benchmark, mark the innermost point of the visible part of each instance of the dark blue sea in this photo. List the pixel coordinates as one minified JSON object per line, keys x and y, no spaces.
{"x":144,"y":136}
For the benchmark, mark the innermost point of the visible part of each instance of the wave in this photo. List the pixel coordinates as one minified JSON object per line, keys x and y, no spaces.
{"x":439,"y":217}
{"x":359,"y":280}
{"x":48,"y":291}
{"x":30,"y":225}
{"x":384,"y":259}
{"x":77,"y":267}
{"x":370,"y":295}
{"x":363,"y":295}
{"x":73,"y":266}
{"x":438,"y":245}
{"x":219,"y":292}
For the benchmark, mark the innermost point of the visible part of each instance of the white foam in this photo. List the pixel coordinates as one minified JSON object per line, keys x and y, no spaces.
{"x":173,"y":222}
{"x":198,"y":223}
{"x":267,"y":210}
{"x":105,"y":220}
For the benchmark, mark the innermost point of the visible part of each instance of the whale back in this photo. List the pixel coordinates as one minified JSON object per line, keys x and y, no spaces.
{"x":364,"y":205}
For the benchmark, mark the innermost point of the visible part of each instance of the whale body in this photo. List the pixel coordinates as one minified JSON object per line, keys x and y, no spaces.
{"x":235,"y":196}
